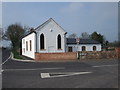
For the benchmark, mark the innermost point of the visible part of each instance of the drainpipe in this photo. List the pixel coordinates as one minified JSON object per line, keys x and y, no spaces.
{"x":77,"y":41}
{"x":36,"y":40}
{"x":65,"y":43}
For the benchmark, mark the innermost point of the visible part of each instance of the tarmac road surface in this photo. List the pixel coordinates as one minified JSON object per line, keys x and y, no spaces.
{"x":102,"y":74}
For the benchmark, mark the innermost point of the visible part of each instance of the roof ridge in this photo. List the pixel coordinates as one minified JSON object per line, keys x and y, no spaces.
{"x":43,"y":23}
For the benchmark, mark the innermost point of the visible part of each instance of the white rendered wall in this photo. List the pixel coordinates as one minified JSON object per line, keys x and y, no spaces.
{"x":50,"y":38}
{"x":89,"y":47}
{"x":29,"y":53}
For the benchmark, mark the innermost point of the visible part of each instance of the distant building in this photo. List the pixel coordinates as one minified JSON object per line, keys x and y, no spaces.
{"x":83,"y":45}
{"x":51,"y":38}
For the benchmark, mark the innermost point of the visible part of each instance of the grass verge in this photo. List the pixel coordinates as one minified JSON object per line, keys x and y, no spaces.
{"x":16,"y":55}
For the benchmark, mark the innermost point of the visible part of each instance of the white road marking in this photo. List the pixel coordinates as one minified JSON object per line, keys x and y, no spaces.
{"x":47,"y":75}
{"x":105,"y":65}
{"x":1,"y":72}
{"x":6,"y":59}
{"x":32,"y":69}
{"x":54,"y":68}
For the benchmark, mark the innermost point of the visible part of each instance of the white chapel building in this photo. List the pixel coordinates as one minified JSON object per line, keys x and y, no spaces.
{"x":50,"y":37}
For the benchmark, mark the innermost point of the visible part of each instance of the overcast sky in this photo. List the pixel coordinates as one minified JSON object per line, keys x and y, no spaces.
{"x":73,"y":17}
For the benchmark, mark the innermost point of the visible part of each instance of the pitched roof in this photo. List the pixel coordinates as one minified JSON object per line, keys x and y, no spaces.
{"x":46,"y":22}
{"x":42,"y":25}
{"x":29,"y":33}
{"x":82,"y":41}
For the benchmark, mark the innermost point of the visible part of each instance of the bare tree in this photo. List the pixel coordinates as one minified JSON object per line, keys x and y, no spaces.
{"x":14,"y":33}
{"x":27,"y":29}
{"x":85,"y":35}
{"x":1,"y":33}
{"x":74,"y":35}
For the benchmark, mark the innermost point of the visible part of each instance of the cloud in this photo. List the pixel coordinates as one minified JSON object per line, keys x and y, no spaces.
{"x":72,"y":8}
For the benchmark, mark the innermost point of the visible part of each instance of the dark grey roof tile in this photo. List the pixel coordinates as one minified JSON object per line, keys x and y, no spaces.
{"x":82,"y":41}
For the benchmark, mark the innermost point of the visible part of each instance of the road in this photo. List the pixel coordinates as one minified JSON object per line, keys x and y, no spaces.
{"x":0,"y":68}
{"x":102,"y":74}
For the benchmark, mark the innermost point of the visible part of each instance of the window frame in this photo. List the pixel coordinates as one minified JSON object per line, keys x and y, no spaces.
{"x":83,"y":48}
{"x":42,"y":42}
{"x":70,"y":49}
{"x":26,"y":45}
{"x":95,"y":48}
{"x":23,"y":41}
{"x":59,"y":42}
{"x":30,"y":45}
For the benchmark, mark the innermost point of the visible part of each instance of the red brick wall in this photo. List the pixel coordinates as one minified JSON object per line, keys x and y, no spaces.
{"x":98,"y":55}
{"x":84,"y":55}
{"x":118,"y":52}
{"x":56,"y":56}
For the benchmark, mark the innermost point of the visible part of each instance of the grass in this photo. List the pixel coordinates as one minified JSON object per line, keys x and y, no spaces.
{"x":111,"y":49}
{"x":16,"y":55}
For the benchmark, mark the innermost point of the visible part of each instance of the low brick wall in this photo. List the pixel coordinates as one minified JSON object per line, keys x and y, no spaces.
{"x":56,"y":56}
{"x":98,"y":55}
{"x":118,"y":52}
{"x":82,"y":55}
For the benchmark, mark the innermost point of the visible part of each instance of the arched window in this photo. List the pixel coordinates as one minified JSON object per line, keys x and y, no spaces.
{"x":59,"y":41}
{"x":83,"y":48}
{"x":94,"y":48}
{"x":41,"y":41}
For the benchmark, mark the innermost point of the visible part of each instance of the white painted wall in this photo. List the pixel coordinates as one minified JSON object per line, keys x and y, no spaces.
{"x":50,"y":38}
{"x":29,"y":53}
{"x":89,"y":47}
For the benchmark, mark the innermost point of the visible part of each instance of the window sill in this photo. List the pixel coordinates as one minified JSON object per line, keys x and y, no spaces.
{"x":60,"y":49}
{"x":42,"y":49}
